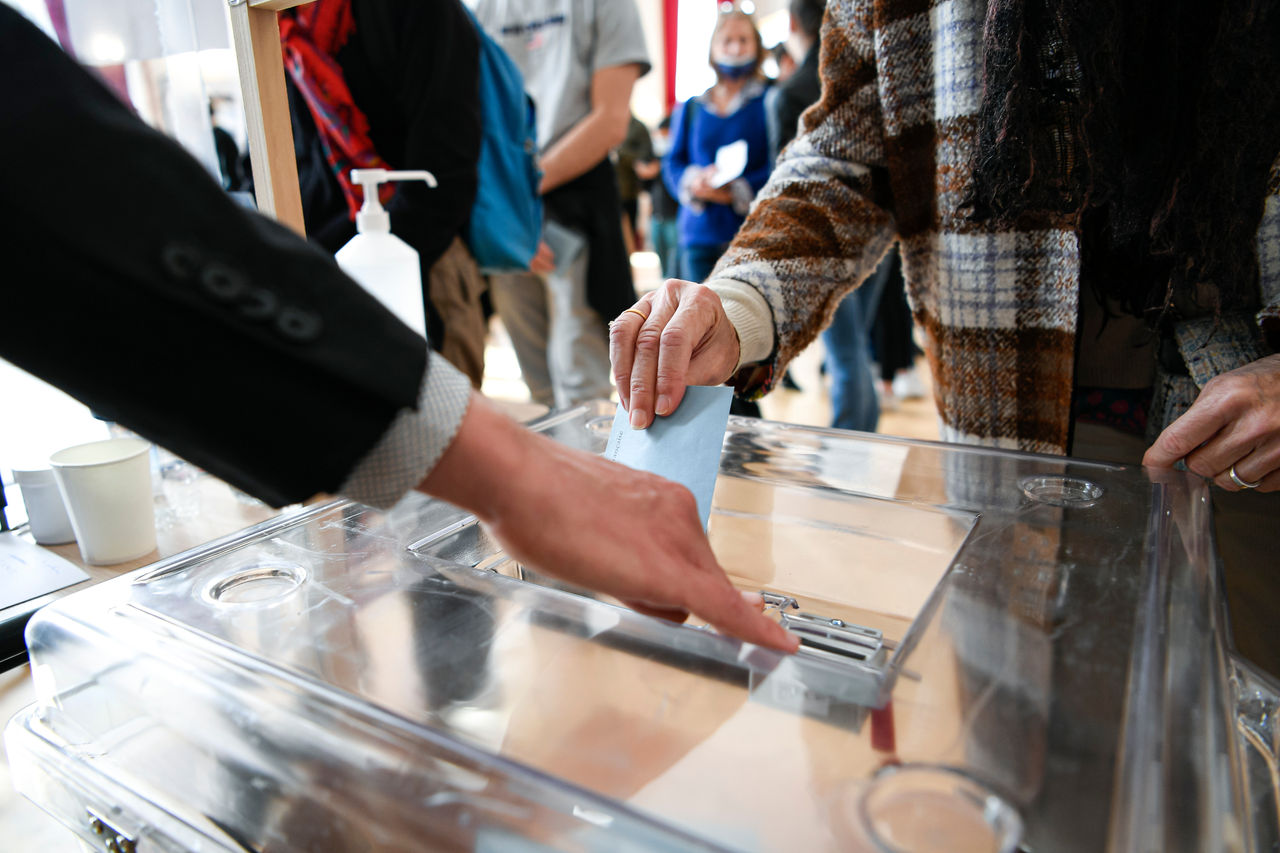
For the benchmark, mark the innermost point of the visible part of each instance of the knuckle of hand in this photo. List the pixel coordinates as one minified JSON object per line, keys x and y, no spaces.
{"x":649,"y":340}
{"x":674,"y":336}
{"x":1227,"y":392}
{"x":672,"y":287}
{"x":680,"y":498}
{"x":669,"y":379}
{"x":1202,"y":468}
{"x":1175,"y":447}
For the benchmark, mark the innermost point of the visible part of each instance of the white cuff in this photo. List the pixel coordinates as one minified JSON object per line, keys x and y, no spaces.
{"x":415,"y":441}
{"x":750,"y":315}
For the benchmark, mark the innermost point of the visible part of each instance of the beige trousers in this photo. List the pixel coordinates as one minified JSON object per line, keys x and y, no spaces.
{"x":454,"y":287}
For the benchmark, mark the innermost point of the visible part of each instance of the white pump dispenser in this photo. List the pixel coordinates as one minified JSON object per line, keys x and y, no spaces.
{"x":381,"y":262}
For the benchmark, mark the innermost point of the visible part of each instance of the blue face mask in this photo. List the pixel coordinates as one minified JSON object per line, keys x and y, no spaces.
{"x":735,"y":69}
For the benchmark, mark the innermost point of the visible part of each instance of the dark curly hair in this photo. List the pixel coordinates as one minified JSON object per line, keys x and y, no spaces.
{"x":1154,"y":124}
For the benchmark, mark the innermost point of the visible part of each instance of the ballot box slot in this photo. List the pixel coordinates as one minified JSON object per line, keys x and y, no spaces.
{"x":835,"y":639}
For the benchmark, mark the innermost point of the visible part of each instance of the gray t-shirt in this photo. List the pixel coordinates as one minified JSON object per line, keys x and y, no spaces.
{"x":559,"y":45}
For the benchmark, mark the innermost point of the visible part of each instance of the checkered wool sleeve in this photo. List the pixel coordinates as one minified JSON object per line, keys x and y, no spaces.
{"x":887,"y":154}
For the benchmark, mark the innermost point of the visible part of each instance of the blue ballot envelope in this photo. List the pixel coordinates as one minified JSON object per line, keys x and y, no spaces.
{"x":684,"y":446}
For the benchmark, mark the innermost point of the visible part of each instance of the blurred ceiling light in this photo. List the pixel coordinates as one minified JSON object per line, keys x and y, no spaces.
{"x":747,"y":7}
{"x":106,"y":49}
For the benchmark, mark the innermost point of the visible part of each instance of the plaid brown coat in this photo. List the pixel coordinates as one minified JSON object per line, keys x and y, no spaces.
{"x":886,"y":154}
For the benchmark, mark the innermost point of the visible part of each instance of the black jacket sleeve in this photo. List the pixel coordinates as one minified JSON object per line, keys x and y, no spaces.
{"x":135,"y":284}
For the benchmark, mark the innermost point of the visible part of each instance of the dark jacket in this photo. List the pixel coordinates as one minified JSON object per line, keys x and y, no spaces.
{"x":589,"y":204}
{"x":800,"y":91}
{"x":413,"y":69}
{"x":135,"y":284}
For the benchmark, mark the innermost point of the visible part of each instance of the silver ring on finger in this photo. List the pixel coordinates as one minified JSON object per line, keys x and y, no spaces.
{"x":1244,"y":484}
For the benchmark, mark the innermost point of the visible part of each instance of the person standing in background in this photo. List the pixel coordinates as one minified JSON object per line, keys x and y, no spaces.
{"x":800,"y":89}
{"x":368,"y":81}
{"x":230,"y":168}
{"x":664,"y":209}
{"x":635,"y":149}
{"x":580,"y":60}
{"x":731,"y":111}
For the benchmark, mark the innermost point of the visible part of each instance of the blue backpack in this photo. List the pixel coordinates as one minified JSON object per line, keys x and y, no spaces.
{"x":506,"y":219}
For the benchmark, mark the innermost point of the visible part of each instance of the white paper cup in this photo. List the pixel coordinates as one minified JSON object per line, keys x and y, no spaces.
{"x":46,"y":514}
{"x":106,"y":486}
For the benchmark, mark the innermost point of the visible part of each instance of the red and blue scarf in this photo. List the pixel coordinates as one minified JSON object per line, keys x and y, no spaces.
{"x":311,"y":37}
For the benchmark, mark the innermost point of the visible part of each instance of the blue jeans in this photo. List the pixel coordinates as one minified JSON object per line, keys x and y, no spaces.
{"x":848,"y":342}
{"x":666,"y":242}
{"x":696,"y":262}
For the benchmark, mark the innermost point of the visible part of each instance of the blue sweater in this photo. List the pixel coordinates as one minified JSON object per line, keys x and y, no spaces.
{"x":696,"y":135}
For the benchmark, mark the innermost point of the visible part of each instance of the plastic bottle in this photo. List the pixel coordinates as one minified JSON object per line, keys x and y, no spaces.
{"x":381,"y":262}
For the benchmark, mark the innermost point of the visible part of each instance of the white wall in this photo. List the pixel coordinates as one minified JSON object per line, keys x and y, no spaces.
{"x":648,"y":97}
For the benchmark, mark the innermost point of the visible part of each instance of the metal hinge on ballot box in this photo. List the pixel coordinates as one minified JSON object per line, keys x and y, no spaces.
{"x":113,"y":840}
{"x":830,"y":639}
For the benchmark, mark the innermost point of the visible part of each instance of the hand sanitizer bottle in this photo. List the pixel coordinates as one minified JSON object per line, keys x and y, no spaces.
{"x":381,"y":262}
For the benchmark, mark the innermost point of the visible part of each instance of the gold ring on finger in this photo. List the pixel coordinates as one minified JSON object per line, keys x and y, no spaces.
{"x":1244,"y":484}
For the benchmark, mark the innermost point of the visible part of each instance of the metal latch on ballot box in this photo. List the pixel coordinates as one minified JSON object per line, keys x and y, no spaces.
{"x":823,"y":637}
{"x":113,"y":840}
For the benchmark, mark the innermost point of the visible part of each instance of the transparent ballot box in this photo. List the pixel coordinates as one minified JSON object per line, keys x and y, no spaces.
{"x":1001,"y":652}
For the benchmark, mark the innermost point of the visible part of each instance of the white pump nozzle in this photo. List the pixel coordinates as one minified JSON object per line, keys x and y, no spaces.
{"x":372,"y":217}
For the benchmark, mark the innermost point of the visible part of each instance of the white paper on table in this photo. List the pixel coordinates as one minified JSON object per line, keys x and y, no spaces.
{"x":28,"y":571}
{"x":684,"y":446}
{"x":731,"y":162}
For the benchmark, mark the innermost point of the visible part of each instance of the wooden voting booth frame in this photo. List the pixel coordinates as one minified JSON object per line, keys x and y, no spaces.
{"x":255,"y":36}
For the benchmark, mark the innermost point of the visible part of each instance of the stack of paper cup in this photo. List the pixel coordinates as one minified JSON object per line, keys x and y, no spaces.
{"x":106,"y":486}
{"x":46,"y":514}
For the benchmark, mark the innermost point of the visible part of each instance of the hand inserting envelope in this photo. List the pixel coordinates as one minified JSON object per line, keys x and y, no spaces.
{"x":683,"y":446}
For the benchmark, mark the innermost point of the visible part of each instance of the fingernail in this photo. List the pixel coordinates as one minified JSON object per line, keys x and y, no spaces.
{"x":637,"y":419}
{"x":753,"y":599}
{"x":664,"y":405}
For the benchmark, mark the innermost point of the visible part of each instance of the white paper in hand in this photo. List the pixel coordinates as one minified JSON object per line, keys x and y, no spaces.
{"x":731,"y":162}
{"x":684,"y":446}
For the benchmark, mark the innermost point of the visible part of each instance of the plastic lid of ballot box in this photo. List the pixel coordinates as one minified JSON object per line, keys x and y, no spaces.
{"x":1001,"y":652}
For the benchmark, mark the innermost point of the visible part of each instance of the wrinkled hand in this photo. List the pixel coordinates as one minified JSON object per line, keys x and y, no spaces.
{"x":1234,"y":422}
{"x":684,"y":339}
{"x":544,"y":260}
{"x":592,"y":522}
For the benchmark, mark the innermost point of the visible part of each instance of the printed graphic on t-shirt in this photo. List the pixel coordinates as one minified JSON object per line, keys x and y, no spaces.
{"x":535,"y":31}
